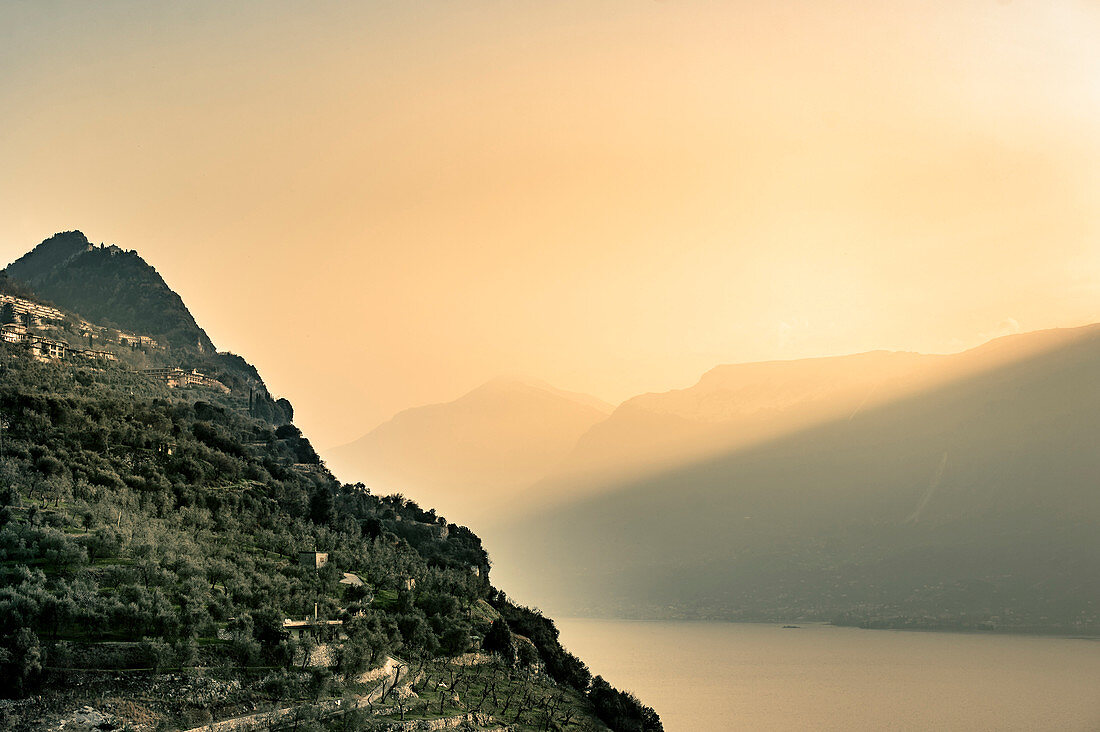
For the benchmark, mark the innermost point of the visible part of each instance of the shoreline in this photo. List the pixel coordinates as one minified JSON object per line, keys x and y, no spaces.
{"x":799,"y":624}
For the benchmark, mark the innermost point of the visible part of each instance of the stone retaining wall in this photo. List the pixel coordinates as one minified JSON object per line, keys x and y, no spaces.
{"x":459,"y":721}
{"x":472,"y":659}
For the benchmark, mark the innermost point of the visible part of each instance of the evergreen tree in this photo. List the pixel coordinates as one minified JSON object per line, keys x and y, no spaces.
{"x":499,"y":640}
{"x":321,"y":505}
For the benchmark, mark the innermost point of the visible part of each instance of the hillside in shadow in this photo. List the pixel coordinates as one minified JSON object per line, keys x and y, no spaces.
{"x":971,"y":503}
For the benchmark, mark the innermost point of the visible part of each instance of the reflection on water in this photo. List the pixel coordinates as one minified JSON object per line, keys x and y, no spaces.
{"x":732,"y":676}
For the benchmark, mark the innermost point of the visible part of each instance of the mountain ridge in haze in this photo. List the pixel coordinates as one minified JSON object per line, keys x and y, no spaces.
{"x":474,"y":450}
{"x":734,"y":406}
{"x":765,"y":490}
{"x":971,"y":502}
{"x":730,"y":406}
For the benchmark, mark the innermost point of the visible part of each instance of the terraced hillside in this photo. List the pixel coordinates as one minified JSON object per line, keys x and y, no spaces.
{"x":174,"y":557}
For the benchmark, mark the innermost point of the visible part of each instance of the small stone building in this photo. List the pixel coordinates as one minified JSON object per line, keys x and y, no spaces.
{"x":313,"y":560}
{"x":319,"y":630}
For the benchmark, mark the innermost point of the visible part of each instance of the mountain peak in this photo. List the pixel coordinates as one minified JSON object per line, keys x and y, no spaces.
{"x":475,"y":451}
{"x":520,"y":384}
{"x":109,"y":285}
{"x":51,"y":253}
{"x":505,"y":382}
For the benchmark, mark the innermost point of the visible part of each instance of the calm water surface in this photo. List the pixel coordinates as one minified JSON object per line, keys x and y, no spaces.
{"x":744,"y":676}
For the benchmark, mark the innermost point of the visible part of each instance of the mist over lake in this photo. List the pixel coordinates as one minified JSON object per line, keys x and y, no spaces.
{"x":756,"y":676}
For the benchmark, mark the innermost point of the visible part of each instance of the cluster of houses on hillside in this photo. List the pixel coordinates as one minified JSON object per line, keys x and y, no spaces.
{"x":48,"y":349}
{"x":36,"y":312}
{"x":175,"y":378}
{"x":136,"y":341}
{"x":29,"y":314}
{"x":123,"y":338}
{"x":44,"y":349}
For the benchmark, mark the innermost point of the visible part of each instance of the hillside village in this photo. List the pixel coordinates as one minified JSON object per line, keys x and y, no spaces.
{"x":26,"y":322}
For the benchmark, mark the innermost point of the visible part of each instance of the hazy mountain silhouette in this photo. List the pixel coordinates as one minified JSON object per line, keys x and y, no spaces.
{"x":730,"y":406}
{"x":109,"y":286}
{"x":739,"y":405}
{"x":970,"y":497}
{"x":472,"y":454}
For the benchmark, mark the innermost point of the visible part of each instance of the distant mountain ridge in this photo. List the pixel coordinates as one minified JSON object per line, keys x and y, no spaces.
{"x":970,"y":501}
{"x":888,"y":489}
{"x":473,"y":451}
{"x":731,"y":406}
{"x":735,"y":406}
{"x":111,"y":286}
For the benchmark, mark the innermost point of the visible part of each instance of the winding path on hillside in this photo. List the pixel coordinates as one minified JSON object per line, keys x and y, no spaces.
{"x":247,"y":722}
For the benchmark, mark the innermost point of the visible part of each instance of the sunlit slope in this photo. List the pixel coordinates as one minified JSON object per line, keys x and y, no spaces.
{"x":731,"y":406}
{"x":740,"y":405}
{"x":975,"y":500}
{"x":471,"y":455}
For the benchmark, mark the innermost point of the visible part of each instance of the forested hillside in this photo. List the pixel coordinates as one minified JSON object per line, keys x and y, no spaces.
{"x":152,"y":538}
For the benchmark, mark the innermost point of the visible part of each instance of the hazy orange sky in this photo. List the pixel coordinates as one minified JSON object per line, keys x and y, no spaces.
{"x":385,"y":203}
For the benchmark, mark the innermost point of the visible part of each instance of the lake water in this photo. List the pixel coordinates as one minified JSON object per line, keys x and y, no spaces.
{"x":703,"y":676}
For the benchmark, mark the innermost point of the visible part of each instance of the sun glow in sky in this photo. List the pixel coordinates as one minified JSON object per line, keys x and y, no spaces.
{"x":385,"y":203}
